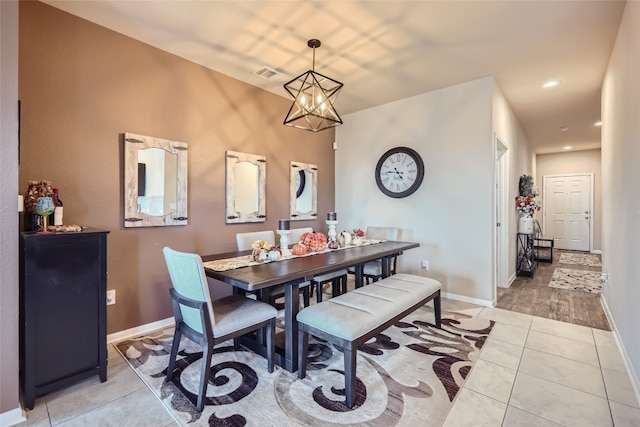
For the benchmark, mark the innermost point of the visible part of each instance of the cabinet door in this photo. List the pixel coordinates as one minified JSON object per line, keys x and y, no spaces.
{"x":64,"y":280}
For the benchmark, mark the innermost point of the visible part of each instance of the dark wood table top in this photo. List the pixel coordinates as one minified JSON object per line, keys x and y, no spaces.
{"x":269,"y":274}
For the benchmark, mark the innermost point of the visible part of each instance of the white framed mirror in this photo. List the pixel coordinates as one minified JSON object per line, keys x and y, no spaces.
{"x":303,"y":191}
{"x":155,"y":181}
{"x":246,"y":187}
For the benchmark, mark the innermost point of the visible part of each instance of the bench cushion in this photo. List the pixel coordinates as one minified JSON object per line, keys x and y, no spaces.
{"x":354,"y":314}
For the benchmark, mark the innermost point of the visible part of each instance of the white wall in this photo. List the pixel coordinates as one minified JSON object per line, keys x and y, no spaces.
{"x":620,"y":181}
{"x":10,"y":411}
{"x":451,"y":214}
{"x":520,"y":160}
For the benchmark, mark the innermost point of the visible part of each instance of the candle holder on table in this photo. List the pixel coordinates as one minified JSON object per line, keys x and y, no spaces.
{"x":284,"y":241}
{"x":332,"y":229}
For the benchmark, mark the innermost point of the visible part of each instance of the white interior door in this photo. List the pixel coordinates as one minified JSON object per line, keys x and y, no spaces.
{"x":567,"y":210}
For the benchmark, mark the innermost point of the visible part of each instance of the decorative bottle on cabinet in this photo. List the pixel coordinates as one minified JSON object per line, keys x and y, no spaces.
{"x":57,"y":213}
{"x":63,"y":329}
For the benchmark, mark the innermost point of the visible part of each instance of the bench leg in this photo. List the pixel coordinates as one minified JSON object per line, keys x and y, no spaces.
{"x":350,"y":355}
{"x":303,"y":348}
{"x":437,"y":312}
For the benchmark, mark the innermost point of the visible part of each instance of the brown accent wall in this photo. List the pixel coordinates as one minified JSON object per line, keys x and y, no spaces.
{"x":82,"y":86}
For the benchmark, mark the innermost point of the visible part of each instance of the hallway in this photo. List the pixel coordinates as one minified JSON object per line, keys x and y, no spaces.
{"x":536,"y":297}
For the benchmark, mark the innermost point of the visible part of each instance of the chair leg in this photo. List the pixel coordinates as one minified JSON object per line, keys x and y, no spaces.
{"x":318,"y":292}
{"x":437,"y":312}
{"x":271,"y":343}
{"x":303,"y":348}
{"x":342,"y":284}
{"x":204,"y":375}
{"x":174,"y":352}
{"x":305,"y":295}
{"x":350,"y":355}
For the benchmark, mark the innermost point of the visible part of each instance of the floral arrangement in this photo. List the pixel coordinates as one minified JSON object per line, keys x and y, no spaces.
{"x":358,"y":233}
{"x":527,"y":205}
{"x":314,"y":241}
{"x":261,"y":244}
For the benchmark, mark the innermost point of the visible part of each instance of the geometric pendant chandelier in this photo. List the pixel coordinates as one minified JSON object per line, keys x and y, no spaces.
{"x":313,"y":96}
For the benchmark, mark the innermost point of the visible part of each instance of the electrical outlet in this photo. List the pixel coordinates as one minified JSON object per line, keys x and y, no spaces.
{"x":425,"y":265}
{"x":604,"y":278}
{"x":111,"y":297}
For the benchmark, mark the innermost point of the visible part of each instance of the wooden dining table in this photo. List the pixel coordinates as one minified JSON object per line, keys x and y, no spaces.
{"x":261,"y":278}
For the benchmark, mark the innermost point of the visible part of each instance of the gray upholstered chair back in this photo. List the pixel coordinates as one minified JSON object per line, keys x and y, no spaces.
{"x":189,"y":280}
{"x":244,"y":240}
{"x":294,"y":237}
{"x":383,"y":233}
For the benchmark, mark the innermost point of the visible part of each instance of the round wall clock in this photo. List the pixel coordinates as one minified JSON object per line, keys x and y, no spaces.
{"x":399,"y":172}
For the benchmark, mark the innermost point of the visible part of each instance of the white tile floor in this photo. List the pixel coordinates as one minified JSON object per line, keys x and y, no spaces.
{"x":531,"y":372}
{"x":540,"y":372}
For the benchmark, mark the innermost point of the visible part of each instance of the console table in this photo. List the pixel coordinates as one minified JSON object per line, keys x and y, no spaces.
{"x":526,"y":263}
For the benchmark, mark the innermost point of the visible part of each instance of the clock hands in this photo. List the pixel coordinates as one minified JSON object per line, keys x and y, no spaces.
{"x":399,"y":173}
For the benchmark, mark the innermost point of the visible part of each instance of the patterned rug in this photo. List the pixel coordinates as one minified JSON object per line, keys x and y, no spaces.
{"x":580,"y":259}
{"x":408,"y":374}
{"x":576,"y":280}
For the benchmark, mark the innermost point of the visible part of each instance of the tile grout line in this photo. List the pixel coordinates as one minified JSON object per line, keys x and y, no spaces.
{"x":606,"y":390}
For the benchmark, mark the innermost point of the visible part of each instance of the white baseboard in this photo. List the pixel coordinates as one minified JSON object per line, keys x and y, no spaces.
{"x":140,"y":330}
{"x":633,"y":376}
{"x":12,"y":417}
{"x":463,"y":298}
{"x":596,"y":251}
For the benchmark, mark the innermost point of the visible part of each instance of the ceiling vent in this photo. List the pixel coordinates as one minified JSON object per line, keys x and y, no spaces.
{"x":267,"y":73}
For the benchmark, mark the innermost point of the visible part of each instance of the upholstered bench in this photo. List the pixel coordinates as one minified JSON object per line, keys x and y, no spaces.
{"x":351,"y":319}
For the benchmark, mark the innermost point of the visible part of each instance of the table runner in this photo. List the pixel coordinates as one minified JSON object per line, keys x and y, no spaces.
{"x":247,"y":260}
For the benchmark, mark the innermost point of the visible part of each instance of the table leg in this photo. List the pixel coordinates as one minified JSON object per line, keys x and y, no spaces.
{"x":291,"y":309}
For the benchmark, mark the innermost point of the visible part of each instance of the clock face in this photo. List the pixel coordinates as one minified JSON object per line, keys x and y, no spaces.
{"x":399,"y":172}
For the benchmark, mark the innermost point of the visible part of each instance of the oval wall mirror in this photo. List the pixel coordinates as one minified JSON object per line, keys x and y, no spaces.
{"x":155,"y":181}
{"x":303,"y":182}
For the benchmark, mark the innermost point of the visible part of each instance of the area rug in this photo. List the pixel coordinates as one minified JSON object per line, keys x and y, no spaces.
{"x":576,"y":280}
{"x":409,"y":375}
{"x":580,"y":259}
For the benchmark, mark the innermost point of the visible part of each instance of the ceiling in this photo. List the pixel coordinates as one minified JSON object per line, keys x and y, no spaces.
{"x":388,"y":50}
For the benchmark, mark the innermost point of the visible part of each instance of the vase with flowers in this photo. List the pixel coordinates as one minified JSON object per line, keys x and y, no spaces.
{"x":260,"y":249}
{"x":526,"y":203}
{"x":526,"y":206}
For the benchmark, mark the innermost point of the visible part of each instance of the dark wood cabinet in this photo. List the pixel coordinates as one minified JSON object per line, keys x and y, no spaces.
{"x":63,"y":328}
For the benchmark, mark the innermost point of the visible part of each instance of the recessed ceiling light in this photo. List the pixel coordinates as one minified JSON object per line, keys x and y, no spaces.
{"x":567,"y":147}
{"x":564,"y":128}
{"x":550,"y":83}
{"x":598,"y":123}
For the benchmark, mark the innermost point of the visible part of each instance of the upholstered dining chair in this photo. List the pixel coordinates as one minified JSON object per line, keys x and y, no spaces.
{"x":338,"y":279}
{"x":372,"y":271}
{"x":208,"y":322}
{"x":244,"y":241}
